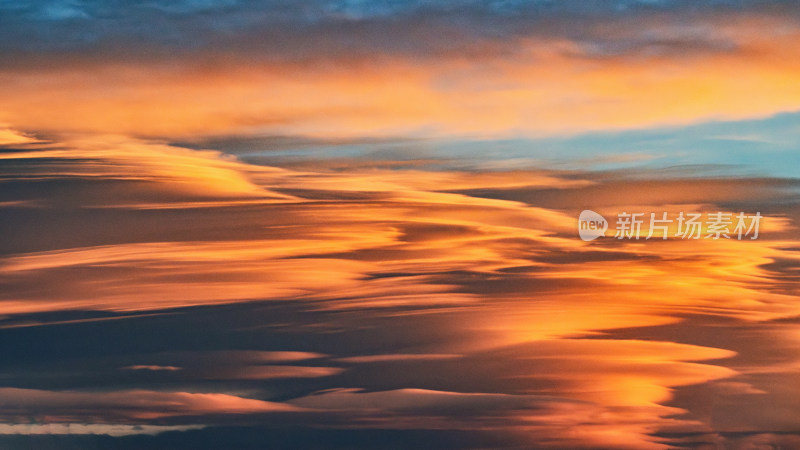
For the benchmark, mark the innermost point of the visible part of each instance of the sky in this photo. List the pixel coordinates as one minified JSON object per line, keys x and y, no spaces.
{"x":354,"y":224}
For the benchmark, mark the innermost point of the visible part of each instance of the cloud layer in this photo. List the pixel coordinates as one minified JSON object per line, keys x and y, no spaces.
{"x":392,"y":260}
{"x":373,"y":298}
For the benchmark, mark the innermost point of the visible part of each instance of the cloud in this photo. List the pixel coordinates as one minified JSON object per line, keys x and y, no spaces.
{"x":12,"y":137}
{"x":395,"y":357}
{"x":420,"y":71}
{"x":151,"y":367}
{"x":417,"y":401}
{"x":72,"y":429}
{"x":402,"y":298}
{"x":127,"y":406}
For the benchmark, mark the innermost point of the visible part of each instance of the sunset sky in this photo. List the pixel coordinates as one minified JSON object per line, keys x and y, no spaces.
{"x":353,"y":224}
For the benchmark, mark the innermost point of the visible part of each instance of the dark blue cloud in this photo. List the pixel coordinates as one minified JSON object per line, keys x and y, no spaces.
{"x":314,"y":28}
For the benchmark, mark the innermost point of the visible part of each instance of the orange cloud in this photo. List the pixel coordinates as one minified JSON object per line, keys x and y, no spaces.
{"x":510,"y":276}
{"x":12,"y":137}
{"x":546,"y":86}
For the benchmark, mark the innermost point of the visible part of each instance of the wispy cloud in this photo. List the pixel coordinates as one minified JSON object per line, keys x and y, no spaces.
{"x":491,"y":259}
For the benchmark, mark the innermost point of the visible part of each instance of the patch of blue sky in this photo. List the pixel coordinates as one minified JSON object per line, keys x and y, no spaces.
{"x":765,"y":147}
{"x":762,"y":147}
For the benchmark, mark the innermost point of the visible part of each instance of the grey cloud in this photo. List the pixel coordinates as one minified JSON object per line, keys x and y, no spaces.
{"x":319,"y":29}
